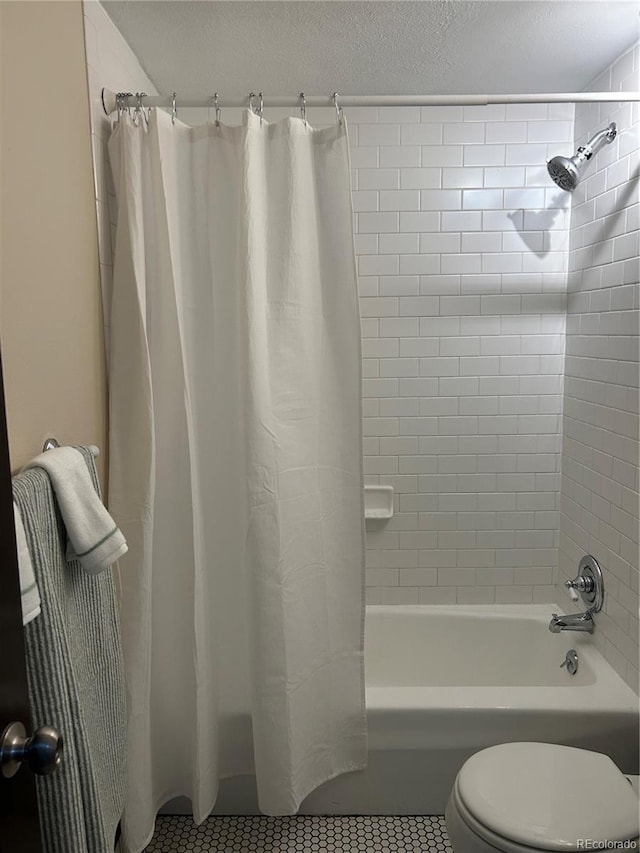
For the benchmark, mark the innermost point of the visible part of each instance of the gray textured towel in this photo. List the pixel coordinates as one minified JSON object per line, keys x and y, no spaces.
{"x":74,"y":665}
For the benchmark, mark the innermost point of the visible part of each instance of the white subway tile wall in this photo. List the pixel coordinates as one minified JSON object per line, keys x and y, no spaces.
{"x":599,"y":487}
{"x":462,"y":244}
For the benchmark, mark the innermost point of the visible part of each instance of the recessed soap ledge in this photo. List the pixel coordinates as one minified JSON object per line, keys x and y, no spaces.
{"x":378,"y":501}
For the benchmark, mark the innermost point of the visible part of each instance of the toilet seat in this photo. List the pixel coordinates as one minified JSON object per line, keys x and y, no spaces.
{"x":537,"y":796}
{"x":475,"y":832}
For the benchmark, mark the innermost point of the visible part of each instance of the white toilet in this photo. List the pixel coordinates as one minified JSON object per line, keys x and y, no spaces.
{"x":532,"y":797}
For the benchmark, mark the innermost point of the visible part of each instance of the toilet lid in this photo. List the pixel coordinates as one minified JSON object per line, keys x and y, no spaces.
{"x":549,"y":796}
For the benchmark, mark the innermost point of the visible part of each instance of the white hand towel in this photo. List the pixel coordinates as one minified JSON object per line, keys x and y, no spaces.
{"x":29,"y":591}
{"x":94,"y":536}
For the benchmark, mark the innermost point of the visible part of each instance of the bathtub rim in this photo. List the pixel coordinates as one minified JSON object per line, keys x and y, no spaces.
{"x":608,"y":693}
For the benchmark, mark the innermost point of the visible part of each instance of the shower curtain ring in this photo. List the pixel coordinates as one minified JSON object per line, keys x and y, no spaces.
{"x":303,"y":107}
{"x":260,"y":108}
{"x":174,"y":109}
{"x":122,"y":100}
{"x":217,"y":108}
{"x":139,"y":109}
{"x":334,"y":98}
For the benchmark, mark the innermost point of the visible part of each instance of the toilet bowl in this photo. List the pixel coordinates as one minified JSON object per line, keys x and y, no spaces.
{"x":533,"y":797}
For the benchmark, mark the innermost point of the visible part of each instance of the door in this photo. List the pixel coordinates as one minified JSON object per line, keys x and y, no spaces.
{"x":19,"y":823}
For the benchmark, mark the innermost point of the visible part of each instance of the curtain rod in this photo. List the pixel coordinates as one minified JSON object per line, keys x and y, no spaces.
{"x":110,"y":100}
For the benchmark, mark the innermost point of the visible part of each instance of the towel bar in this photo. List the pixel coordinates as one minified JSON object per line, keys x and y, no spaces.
{"x":51,"y":444}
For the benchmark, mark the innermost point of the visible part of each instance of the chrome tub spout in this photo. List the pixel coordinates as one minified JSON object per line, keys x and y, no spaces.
{"x":572,"y":622}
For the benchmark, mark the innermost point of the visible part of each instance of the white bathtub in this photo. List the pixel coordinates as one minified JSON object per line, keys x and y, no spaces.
{"x":444,"y":682}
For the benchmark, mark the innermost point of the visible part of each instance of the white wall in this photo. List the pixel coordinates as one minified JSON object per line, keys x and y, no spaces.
{"x":51,"y":319}
{"x":462,"y":252}
{"x":599,"y":493}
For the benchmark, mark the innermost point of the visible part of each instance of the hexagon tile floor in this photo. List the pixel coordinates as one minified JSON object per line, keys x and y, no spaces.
{"x":301,"y":834}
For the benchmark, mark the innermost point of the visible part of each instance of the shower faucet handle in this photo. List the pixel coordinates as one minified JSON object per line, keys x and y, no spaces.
{"x":573,"y":592}
{"x":579,"y":584}
{"x":589,"y":584}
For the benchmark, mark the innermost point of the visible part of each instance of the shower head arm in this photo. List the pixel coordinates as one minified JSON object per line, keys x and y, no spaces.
{"x":604,"y":137}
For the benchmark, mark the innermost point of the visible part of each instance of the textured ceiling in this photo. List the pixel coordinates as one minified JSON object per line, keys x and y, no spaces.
{"x":384,"y":47}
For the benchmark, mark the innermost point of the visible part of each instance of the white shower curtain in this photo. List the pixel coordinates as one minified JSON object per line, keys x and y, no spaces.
{"x":236,"y":464}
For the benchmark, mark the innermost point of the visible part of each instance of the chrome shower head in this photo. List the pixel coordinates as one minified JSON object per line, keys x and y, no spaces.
{"x":566,"y":171}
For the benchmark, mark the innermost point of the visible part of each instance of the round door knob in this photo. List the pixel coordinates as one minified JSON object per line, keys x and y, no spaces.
{"x":42,"y":751}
